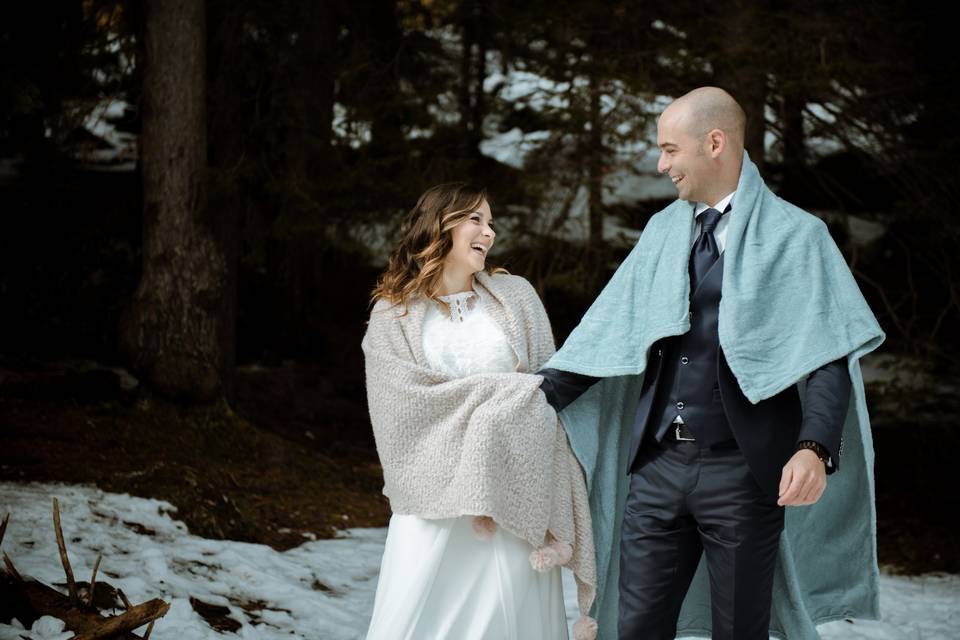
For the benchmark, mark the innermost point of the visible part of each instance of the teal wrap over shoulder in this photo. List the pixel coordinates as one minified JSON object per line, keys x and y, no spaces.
{"x":790,"y":305}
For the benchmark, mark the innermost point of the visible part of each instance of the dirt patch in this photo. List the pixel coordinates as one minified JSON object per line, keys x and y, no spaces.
{"x":228,"y":477}
{"x":294,"y":460}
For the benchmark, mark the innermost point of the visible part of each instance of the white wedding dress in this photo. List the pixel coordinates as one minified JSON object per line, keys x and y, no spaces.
{"x":438,"y":580}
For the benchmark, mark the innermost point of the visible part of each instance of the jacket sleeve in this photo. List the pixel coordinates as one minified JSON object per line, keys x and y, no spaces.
{"x":825,"y":404}
{"x":563,"y":387}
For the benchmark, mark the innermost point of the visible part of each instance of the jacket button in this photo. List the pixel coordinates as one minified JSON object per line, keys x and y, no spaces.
{"x":659,"y":352}
{"x":680,"y":406}
{"x":684,"y":360}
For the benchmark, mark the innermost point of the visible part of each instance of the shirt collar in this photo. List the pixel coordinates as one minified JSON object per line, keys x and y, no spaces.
{"x":703,"y":206}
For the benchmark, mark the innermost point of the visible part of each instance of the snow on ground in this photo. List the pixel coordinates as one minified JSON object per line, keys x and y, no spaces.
{"x":165,"y":561}
{"x":322,"y":590}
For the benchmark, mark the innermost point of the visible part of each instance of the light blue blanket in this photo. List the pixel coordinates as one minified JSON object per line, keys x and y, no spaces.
{"x":789,"y":306}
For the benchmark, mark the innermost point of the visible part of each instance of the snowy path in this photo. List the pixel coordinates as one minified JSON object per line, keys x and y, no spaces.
{"x":322,"y":590}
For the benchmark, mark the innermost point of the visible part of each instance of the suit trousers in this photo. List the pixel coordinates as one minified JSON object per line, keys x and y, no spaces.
{"x":686,"y":501}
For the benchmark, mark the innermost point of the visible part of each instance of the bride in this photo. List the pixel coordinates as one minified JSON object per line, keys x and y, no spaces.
{"x":488,"y":500}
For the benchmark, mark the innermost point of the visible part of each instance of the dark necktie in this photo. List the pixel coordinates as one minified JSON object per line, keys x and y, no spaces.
{"x":705,"y":250}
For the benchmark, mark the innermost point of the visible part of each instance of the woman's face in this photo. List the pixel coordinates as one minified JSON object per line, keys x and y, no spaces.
{"x":472,"y":240}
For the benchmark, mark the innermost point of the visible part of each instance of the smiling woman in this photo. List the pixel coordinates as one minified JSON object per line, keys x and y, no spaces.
{"x":472,"y":239}
{"x":444,"y":241}
{"x":488,"y":499}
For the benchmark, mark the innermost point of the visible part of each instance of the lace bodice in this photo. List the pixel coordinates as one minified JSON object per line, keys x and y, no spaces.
{"x":468,"y":341}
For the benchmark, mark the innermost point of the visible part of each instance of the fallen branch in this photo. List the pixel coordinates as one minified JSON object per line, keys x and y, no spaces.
{"x":46,"y":601}
{"x":33,"y":599}
{"x":71,"y":583}
{"x":124,"y":599}
{"x":93,"y":579}
{"x":10,"y":568}
{"x":125,"y":622}
{"x":3,"y":527}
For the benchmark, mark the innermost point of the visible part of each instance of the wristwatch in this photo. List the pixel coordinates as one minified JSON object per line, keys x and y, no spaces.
{"x":816,"y":447}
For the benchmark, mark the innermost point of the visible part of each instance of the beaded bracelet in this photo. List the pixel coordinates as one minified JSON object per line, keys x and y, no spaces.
{"x":816,"y":447}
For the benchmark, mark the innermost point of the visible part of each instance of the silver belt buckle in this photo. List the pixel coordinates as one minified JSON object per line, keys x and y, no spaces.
{"x":682,"y":439}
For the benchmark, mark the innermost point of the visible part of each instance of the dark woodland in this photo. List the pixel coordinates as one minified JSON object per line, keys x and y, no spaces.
{"x":189,"y":329}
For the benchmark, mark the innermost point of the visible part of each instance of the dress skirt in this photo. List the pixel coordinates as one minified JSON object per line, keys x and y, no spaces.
{"x":438,"y":580}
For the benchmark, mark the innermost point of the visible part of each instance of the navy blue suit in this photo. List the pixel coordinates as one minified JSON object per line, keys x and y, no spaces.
{"x":717,"y":494}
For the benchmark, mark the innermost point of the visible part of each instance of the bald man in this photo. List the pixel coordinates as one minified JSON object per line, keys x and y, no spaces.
{"x":710,"y":472}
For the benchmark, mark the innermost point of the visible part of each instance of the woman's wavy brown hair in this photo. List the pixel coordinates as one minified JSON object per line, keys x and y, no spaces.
{"x":416,"y":266}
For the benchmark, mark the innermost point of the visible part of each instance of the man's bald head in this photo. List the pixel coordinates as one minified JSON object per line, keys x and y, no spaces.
{"x":708,"y":108}
{"x":700,"y":136}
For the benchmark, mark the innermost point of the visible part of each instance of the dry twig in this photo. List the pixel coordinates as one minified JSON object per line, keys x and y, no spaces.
{"x":71,"y":583}
{"x":93,"y":579}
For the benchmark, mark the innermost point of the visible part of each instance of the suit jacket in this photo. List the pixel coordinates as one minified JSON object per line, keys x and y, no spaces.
{"x":768,"y":432}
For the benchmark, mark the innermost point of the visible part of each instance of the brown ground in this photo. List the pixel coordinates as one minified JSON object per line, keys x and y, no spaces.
{"x":292,"y":458}
{"x":295,"y":458}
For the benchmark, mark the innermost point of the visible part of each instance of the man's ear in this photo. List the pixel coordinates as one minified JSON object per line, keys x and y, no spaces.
{"x":716,"y":142}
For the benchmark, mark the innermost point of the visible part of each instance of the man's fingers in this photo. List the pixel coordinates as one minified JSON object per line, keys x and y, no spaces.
{"x":805,"y":489}
{"x":785,"y":479}
{"x":815,"y":492}
{"x":793,"y":492}
{"x":809,"y":494}
{"x":802,"y":481}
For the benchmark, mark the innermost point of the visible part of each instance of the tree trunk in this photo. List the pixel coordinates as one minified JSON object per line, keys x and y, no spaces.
{"x":473,"y":72}
{"x":479,"y":104}
{"x":741,"y":71}
{"x":178,"y":331}
{"x":381,"y":33}
{"x":595,"y":169}
{"x":310,"y":96}
{"x":794,"y":146}
{"x":467,"y":38}
{"x":227,"y":157}
{"x":753,"y":98}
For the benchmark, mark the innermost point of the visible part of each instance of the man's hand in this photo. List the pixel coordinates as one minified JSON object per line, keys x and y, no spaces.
{"x":803,"y":481}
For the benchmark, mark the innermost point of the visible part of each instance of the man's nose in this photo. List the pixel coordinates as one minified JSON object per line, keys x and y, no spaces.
{"x":662,"y":164}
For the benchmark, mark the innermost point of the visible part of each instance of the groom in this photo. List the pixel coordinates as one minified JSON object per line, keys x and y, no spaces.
{"x":710,"y":472}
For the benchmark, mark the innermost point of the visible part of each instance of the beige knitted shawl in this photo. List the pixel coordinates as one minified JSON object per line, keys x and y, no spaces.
{"x":482,"y":445}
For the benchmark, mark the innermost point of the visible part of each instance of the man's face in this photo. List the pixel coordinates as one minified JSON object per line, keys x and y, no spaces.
{"x":683,"y":157}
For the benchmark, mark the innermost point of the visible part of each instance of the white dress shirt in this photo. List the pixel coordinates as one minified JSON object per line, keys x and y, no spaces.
{"x":720,"y":233}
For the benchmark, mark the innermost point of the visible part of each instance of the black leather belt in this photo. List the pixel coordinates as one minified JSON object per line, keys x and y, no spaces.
{"x":680,"y":433}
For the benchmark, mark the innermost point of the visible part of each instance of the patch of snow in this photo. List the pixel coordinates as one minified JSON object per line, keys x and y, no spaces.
{"x":321,"y":589}
{"x":44,"y":628}
{"x":895,"y":370}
